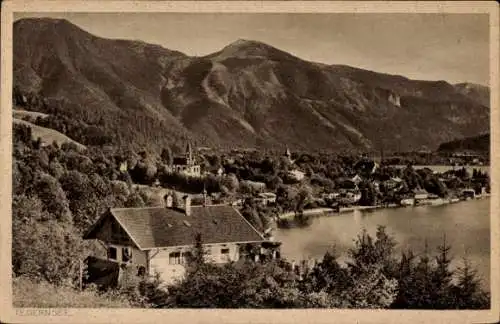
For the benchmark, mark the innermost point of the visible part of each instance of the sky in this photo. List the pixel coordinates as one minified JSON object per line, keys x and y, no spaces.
{"x":450,"y":47}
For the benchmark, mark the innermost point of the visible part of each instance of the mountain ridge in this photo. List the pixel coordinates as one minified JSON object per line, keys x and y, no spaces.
{"x":247,"y":94}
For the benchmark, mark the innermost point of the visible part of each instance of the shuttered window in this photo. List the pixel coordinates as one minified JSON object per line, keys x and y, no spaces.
{"x":174,"y":258}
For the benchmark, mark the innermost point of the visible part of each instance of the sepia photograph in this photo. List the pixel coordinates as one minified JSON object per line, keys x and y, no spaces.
{"x":273,"y":158}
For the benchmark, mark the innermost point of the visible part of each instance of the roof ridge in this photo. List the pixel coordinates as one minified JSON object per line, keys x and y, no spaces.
{"x":249,"y":224}
{"x":210,"y":205}
{"x":130,"y":208}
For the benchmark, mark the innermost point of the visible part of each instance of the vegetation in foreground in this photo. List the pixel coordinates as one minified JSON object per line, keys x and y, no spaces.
{"x":372,"y":278}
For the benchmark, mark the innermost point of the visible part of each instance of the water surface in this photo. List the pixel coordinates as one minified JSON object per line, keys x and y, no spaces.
{"x":465,"y":224}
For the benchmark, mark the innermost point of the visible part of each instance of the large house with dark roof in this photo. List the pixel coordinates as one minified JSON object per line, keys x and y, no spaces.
{"x":160,"y":239}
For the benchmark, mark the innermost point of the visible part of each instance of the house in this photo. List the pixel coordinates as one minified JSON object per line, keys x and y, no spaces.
{"x":407,"y":202}
{"x":123,"y":167}
{"x":330,"y":195}
{"x":296,"y":175}
{"x":346,"y":183}
{"x":349,"y":197}
{"x":186,"y":164}
{"x":357,"y":179}
{"x":255,"y":185}
{"x":468,"y":193}
{"x":420,"y":194}
{"x":393,"y":183}
{"x":160,"y":239}
{"x":266,"y":198}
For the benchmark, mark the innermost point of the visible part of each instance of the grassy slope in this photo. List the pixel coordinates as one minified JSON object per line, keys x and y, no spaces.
{"x":48,"y":135}
{"x":27,"y":115}
{"x":30,"y":294}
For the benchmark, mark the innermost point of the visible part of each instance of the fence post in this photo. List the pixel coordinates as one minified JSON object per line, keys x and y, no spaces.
{"x":80,"y":277}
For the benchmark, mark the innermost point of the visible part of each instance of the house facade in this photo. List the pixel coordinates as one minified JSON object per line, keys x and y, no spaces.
{"x":161,"y":239}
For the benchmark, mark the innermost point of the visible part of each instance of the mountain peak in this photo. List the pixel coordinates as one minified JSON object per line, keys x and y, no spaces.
{"x":246,"y":42}
{"x":247,"y":48}
{"x":247,"y":45}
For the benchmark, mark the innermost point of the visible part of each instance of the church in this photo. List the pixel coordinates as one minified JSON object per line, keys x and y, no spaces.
{"x":186,"y":164}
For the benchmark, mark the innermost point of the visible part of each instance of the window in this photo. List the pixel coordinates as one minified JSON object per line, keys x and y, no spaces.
{"x":126,"y":254}
{"x":186,"y":256}
{"x":141,"y":272}
{"x":224,"y":254}
{"x":174,"y":258}
{"x":112,"y":253}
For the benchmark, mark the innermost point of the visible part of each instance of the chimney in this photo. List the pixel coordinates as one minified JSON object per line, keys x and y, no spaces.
{"x":169,"y":200}
{"x":187,"y":205}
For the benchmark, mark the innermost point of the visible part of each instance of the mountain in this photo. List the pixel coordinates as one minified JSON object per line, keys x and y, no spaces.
{"x":477,"y":92}
{"x":248,"y":94}
{"x":477,"y":144}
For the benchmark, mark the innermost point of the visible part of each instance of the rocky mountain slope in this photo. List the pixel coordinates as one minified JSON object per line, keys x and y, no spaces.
{"x":247,"y":94}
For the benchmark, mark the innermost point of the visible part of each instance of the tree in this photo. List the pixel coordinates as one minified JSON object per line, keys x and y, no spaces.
{"x":421,"y":297}
{"x":54,"y":199}
{"x":135,"y":200}
{"x":197,"y":257}
{"x":274,"y":182}
{"x":372,"y":289}
{"x":144,"y":172}
{"x":441,"y":278}
{"x":467,"y":294}
{"x":166,"y":156}
{"x":231,"y":182}
{"x":368,"y":194}
{"x":303,"y":196}
{"x":56,"y":169}
{"x":405,"y":276}
{"x":42,"y":248}
{"x":251,"y":214}
{"x":327,"y":276}
{"x":285,"y":197}
{"x":235,"y":285}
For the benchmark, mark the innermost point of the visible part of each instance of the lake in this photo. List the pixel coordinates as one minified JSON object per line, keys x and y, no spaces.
{"x":466,"y":225}
{"x":444,"y":168}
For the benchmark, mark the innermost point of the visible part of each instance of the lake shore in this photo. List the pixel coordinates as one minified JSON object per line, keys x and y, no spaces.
{"x":344,"y":210}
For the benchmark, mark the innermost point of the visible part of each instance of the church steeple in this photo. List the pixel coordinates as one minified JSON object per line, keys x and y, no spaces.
{"x":189,"y":153}
{"x":287,"y":153}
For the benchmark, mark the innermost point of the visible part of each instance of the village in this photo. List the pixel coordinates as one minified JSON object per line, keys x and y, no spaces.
{"x":233,"y":204}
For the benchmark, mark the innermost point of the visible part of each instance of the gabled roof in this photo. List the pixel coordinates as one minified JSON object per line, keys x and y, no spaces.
{"x":420,"y":191}
{"x":157,"y":227}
